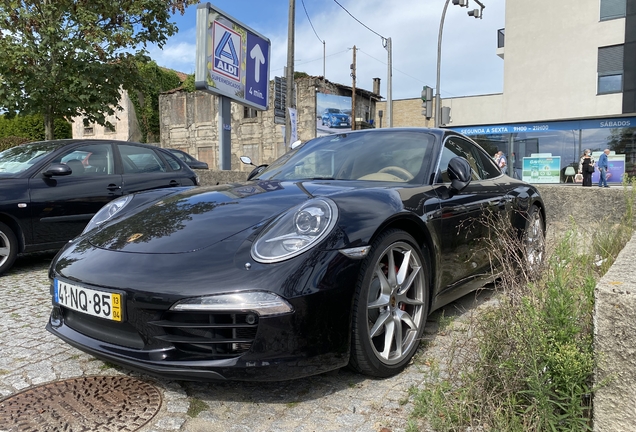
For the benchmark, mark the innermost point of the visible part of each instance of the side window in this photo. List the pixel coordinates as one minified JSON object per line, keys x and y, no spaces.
{"x":174,"y":164}
{"x":454,"y":147}
{"x":140,"y":160}
{"x":94,"y":159}
{"x":489,"y":167}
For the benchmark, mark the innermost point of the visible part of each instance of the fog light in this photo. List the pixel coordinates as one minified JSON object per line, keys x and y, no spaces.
{"x":250,"y":319}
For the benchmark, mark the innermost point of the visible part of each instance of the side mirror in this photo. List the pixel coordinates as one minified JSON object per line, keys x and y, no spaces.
{"x":256,"y":171}
{"x":459,"y":172}
{"x":57,"y":169}
{"x":296,"y":144}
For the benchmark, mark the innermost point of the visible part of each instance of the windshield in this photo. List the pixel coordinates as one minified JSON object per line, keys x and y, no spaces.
{"x":392,"y":155}
{"x":20,"y":158}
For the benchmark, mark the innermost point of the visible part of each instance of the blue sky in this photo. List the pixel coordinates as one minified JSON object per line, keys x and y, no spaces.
{"x":470,"y":65}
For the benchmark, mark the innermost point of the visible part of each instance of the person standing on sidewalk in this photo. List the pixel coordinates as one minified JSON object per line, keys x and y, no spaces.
{"x":501,"y":161}
{"x":603,"y":165}
{"x":586,"y":167}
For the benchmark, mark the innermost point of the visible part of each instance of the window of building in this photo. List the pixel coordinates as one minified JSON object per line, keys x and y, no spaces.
{"x":249,"y":112}
{"x":610,"y":69}
{"x":612,"y":9}
{"x":110,"y":128}
{"x":89,"y":130}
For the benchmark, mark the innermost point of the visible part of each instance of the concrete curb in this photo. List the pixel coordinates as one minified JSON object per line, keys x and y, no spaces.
{"x":615,"y":345}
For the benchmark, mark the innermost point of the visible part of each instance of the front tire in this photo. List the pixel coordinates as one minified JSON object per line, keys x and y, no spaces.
{"x":8,"y":248}
{"x":390,"y":306}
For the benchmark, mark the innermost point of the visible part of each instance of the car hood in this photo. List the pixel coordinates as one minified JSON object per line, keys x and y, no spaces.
{"x":200,"y":217}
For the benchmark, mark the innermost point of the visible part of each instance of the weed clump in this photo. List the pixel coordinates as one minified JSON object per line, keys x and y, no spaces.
{"x":529,"y":363}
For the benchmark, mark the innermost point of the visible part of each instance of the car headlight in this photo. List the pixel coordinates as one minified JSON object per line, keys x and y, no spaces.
{"x":295,"y":231}
{"x":107,"y":212}
{"x":261,"y":302}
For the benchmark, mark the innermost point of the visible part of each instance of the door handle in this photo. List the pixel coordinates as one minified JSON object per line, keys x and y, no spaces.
{"x":174,"y":183}
{"x":113,"y":187}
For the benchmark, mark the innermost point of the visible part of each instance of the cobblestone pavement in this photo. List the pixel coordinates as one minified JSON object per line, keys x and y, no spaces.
{"x":340,"y":401}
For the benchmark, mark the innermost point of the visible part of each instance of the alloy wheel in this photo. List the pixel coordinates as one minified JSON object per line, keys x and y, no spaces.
{"x":534,"y":241}
{"x":5,"y":248}
{"x":396,"y":303}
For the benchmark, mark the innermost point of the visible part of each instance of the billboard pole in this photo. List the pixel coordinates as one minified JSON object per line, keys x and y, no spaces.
{"x":225,"y":133}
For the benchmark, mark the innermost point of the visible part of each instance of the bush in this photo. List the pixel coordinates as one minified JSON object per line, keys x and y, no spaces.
{"x":8,"y":142}
{"x":31,"y":127}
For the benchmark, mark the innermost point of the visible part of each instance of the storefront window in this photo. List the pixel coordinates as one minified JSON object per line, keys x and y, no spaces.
{"x":567,"y":140}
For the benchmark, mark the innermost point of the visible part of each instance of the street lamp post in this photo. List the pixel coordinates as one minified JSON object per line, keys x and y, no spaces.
{"x":438,"y":102}
{"x":476,"y":14}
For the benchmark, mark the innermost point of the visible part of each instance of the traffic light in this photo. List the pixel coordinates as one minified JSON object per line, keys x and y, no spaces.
{"x":427,"y":102}
{"x":462,"y":3}
{"x":475,"y":13}
{"x":445,"y":116}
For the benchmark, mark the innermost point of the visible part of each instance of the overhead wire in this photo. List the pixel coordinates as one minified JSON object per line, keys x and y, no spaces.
{"x":402,"y":72}
{"x":394,"y":68}
{"x":310,"y":23}
{"x":363,"y":24}
{"x":316,"y":59}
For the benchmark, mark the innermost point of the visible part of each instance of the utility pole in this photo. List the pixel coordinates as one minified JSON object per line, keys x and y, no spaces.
{"x":290,"y":71}
{"x":353,"y":91}
{"x":324,"y":57}
{"x":389,"y":94}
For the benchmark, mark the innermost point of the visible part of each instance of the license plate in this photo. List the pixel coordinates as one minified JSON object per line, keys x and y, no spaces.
{"x":101,"y":304}
{"x":343,"y":124}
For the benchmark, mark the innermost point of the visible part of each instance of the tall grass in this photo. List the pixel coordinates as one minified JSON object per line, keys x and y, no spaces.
{"x":530,"y":361}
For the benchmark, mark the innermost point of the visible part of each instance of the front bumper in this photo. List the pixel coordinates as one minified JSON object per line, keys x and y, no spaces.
{"x":313,"y":339}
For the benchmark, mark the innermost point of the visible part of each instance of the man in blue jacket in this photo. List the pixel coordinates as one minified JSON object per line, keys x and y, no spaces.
{"x":603,"y":166}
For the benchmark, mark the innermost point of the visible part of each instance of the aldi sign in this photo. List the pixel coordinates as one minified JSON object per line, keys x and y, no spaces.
{"x":227,"y":59}
{"x":232,"y":59}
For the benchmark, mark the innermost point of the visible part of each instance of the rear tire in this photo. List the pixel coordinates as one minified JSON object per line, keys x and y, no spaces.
{"x":534,"y":243}
{"x":8,"y":248}
{"x":390,"y":306}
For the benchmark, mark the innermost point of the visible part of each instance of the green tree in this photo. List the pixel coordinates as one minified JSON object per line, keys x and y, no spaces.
{"x":69,"y":58}
{"x":145,"y":99}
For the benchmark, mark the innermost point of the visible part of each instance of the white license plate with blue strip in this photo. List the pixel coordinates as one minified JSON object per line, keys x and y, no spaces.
{"x":100,"y":304}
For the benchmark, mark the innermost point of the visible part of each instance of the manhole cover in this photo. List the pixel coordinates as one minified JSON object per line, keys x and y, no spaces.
{"x":97,"y":403}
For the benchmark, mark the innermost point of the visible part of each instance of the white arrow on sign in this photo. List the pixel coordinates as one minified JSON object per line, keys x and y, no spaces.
{"x":259,"y":59}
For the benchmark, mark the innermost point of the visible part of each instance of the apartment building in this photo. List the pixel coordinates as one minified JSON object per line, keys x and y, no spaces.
{"x":569,"y":84}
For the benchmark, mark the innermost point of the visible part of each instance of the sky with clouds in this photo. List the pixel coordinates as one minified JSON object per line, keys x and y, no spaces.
{"x":469,"y":63}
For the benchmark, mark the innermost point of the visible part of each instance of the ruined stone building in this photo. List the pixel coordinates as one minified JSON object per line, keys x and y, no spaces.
{"x":189,"y":121}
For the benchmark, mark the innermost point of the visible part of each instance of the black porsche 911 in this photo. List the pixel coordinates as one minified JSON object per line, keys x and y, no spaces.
{"x":334,"y":255}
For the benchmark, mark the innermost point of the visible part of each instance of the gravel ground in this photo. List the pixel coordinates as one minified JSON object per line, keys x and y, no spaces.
{"x":338,"y":401}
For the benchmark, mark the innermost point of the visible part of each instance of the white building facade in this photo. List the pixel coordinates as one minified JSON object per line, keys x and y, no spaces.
{"x":569,"y":84}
